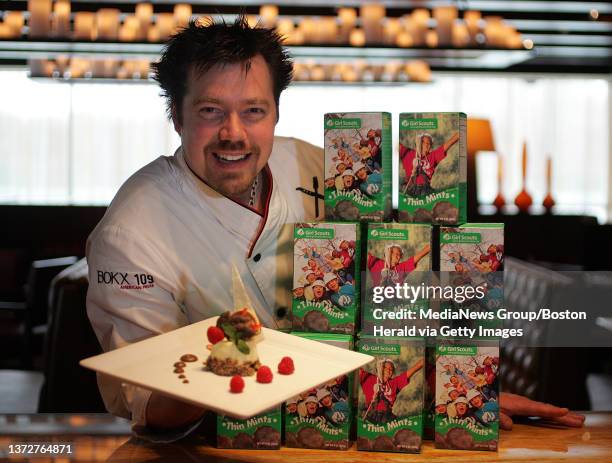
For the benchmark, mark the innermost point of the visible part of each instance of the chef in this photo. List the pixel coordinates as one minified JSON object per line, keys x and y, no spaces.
{"x":161,"y":257}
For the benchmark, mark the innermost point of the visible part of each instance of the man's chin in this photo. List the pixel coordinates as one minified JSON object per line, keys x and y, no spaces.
{"x":233,"y":189}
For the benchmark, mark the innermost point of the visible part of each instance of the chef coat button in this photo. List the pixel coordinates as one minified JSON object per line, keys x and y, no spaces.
{"x":281,"y":312}
{"x":257,"y":257}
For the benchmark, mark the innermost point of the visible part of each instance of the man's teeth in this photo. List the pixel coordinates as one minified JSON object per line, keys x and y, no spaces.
{"x":231,"y":157}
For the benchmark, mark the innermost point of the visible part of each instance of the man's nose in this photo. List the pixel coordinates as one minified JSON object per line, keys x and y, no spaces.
{"x":232,"y":128}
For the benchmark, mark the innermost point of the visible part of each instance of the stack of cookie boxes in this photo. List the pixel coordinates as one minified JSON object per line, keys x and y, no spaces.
{"x":415,"y":388}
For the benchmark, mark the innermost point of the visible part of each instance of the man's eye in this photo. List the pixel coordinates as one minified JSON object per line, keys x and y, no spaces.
{"x":255,"y":112}
{"x":209,"y":111}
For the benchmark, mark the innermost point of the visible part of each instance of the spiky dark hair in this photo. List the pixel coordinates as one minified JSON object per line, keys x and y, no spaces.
{"x":202,"y":46}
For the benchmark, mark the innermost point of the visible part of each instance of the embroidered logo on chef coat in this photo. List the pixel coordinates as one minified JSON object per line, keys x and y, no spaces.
{"x":126,"y":280}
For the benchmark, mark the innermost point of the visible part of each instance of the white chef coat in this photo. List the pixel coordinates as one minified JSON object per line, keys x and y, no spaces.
{"x":161,"y":256}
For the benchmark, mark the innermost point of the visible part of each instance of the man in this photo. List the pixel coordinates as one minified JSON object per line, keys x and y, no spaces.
{"x":227,"y":196}
{"x":381,"y":390}
{"x":341,"y":296}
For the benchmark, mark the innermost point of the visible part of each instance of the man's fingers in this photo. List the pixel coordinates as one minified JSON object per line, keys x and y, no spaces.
{"x":519,"y":405}
{"x":505,"y":421}
{"x":543,"y":410}
{"x":573,"y":420}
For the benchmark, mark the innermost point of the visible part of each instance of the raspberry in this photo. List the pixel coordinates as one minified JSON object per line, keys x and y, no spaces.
{"x":236,"y":384}
{"x":215,"y":334}
{"x":264,"y":375}
{"x":285,"y":366}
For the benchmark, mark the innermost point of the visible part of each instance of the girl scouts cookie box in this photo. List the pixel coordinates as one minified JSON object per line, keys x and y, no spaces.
{"x":473,"y":255}
{"x":320,"y":418}
{"x":472,"y":248}
{"x":391,"y":388}
{"x":326,"y":291}
{"x":357,"y":166}
{"x":432,"y":168}
{"x":262,"y":431}
{"x":397,"y":254}
{"x":467,"y":393}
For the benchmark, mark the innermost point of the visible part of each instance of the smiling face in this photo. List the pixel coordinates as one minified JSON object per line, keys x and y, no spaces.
{"x":361,"y":174}
{"x":311,"y":278}
{"x":298,"y":292}
{"x":476,"y":402}
{"x":311,"y":408}
{"x":326,"y":401}
{"x":318,"y":291}
{"x":425,"y":145}
{"x":348,"y":181}
{"x":292,"y":407}
{"x":332,"y":285}
{"x":227,"y":124}
{"x":387,"y":371}
{"x":461,"y":408}
{"x":395,"y":256}
{"x":441,"y":409}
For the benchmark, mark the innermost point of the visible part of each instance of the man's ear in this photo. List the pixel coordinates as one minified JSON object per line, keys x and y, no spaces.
{"x":176,"y":120}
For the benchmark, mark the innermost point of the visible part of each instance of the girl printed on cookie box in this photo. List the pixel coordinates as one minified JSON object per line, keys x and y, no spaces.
{"x":391,"y":388}
{"x":467,"y":392}
{"x":433,"y":168}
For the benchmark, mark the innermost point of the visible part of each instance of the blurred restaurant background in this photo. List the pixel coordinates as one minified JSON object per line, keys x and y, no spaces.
{"x":79,"y":114}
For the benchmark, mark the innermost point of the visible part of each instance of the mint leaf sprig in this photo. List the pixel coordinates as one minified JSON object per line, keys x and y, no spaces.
{"x":233,"y":335}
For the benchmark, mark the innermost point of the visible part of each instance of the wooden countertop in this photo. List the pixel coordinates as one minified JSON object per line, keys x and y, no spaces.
{"x":591,"y":443}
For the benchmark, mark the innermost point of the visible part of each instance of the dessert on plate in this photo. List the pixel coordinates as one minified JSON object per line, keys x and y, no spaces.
{"x":234,"y":338}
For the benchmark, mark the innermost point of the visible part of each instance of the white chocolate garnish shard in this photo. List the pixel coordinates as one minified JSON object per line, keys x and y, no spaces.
{"x":242,"y":300}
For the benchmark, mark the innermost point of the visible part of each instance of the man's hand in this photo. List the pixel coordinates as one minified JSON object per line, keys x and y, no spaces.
{"x":164,"y":412}
{"x":517,"y":405}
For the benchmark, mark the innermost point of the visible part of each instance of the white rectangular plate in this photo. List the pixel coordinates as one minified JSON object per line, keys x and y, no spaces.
{"x":149,"y":363}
